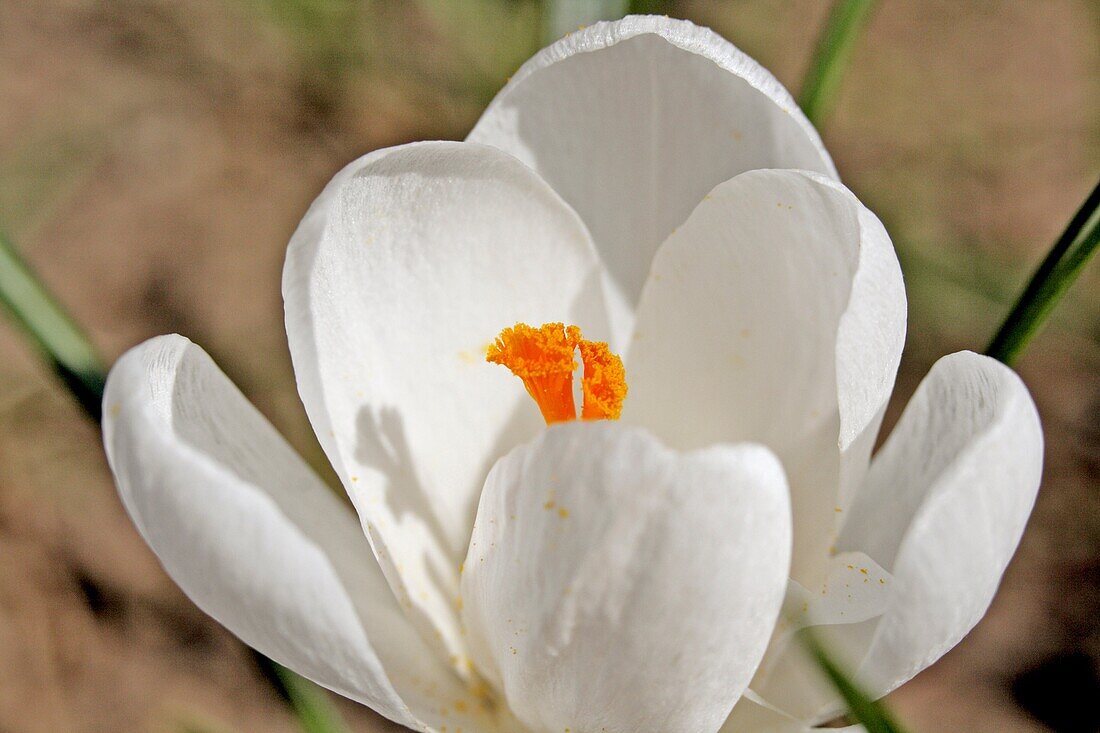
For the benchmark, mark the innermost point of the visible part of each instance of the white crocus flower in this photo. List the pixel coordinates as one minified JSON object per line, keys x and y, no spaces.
{"x":648,"y":182}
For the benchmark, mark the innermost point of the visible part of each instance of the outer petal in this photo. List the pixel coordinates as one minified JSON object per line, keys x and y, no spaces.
{"x":632,"y":122}
{"x":943,"y":508}
{"x":615,"y":585}
{"x":405,"y":268}
{"x":845,"y":611}
{"x":775,"y":314}
{"x":255,"y":539}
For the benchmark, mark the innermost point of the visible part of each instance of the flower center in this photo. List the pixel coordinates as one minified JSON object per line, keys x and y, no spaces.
{"x":544,"y":358}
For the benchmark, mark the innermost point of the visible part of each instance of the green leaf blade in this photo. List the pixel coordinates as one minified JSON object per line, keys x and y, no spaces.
{"x":863,"y":710}
{"x":834,"y":50}
{"x":315,"y":711}
{"x":1054,"y":276}
{"x":47,"y":324}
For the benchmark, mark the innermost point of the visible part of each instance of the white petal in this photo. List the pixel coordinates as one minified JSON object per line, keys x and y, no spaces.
{"x":954,"y":485}
{"x":405,"y":268}
{"x":255,"y":539}
{"x":633,"y":121}
{"x":753,"y":716}
{"x":613,"y":584}
{"x":775,"y":314}
{"x":845,"y":611}
{"x":943,"y":508}
{"x":869,"y":342}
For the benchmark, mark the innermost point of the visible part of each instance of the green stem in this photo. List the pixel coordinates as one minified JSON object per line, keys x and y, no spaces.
{"x":72,"y":356}
{"x":1059,"y":269}
{"x":862,"y":709}
{"x":834,"y":49}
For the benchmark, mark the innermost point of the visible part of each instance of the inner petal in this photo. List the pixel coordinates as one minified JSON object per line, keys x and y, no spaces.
{"x":545,"y":359}
{"x":593,"y":544}
{"x":785,"y":292}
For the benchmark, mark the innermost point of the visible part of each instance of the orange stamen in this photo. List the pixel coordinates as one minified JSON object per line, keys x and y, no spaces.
{"x":604,"y":383}
{"x":544,"y":358}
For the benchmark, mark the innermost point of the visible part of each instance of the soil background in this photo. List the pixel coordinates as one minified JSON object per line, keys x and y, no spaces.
{"x":156,"y":154}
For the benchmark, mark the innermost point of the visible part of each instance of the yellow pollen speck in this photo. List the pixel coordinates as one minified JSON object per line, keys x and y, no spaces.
{"x":548,"y":505}
{"x":544,"y":358}
{"x":563,"y":513}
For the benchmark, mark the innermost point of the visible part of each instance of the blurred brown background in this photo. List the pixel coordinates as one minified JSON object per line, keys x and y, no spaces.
{"x":155,"y":156}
